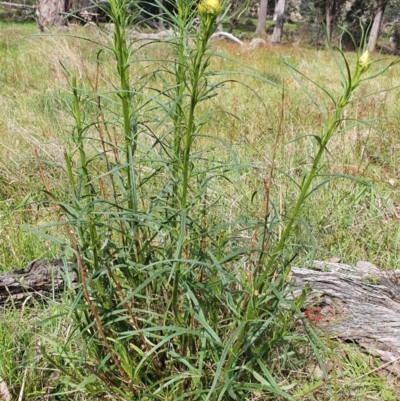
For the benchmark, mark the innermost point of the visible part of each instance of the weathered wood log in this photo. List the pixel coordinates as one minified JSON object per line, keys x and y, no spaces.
{"x":360,"y":304}
{"x":227,"y":35}
{"x":39,"y":280}
{"x":17,"y":6}
{"x":164,"y":35}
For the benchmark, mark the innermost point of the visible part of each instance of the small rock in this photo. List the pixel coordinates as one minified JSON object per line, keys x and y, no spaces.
{"x":257,"y":42}
{"x":4,"y":392}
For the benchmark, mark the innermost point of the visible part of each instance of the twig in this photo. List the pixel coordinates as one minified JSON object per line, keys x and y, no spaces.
{"x":21,"y":393}
{"x":376,"y":369}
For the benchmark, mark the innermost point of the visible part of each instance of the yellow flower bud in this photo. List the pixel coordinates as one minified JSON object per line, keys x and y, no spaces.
{"x":364,"y":61}
{"x":209,"y":6}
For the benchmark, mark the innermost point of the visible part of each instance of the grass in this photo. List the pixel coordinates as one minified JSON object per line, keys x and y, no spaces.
{"x":352,"y":219}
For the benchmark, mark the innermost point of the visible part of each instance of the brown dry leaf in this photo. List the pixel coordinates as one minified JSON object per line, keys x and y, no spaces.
{"x":4,"y":392}
{"x":316,"y":371}
{"x":329,"y":365}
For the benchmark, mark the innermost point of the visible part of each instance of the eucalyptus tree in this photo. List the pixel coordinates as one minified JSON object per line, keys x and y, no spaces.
{"x":236,"y":9}
{"x":262,"y":18}
{"x":333,"y":11}
{"x":369,"y":15}
{"x":327,"y":12}
{"x":279,"y":20}
{"x":376,"y":24}
{"x":52,"y":12}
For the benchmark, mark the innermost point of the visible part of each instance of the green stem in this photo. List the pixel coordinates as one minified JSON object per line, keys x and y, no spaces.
{"x":251,"y":304}
{"x":79,"y":136}
{"x":196,"y":74}
{"x":191,"y":128}
{"x":121,"y":52}
{"x":331,"y":129}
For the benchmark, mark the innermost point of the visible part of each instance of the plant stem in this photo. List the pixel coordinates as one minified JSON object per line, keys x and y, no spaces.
{"x":196,"y":72}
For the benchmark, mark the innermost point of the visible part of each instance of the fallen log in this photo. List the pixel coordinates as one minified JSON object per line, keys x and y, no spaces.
{"x":41,"y":279}
{"x":226,"y":35}
{"x":17,"y":6}
{"x":164,"y":35}
{"x":359,"y":304}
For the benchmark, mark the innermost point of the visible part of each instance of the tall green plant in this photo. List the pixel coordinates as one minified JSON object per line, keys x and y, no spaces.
{"x":169,"y":304}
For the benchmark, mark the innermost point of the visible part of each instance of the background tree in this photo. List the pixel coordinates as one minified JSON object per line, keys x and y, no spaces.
{"x":395,"y":36}
{"x":59,"y":12}
{"x":52,"y":12}
{"x":161,"y":19}
{"x":262,"y":18}
{"x":376,"y":25}
{"x":279,"y":20}
{"x":327,"y":12}
{"x":392,"y":18}
{"x":359,"y":17}
{"x":333,"y":11}
{"x":237,"y":8}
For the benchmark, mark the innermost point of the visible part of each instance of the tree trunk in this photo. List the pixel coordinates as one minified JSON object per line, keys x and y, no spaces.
{"x":395,"y":37}
{"x":235,"y":4}
{"x":52,"y":12}
{"x":262,"y":18}
{"x":279,"y":19}
{"x":220,"y":27}
{"x":376,"y":27}
{"x":161,"y":26}
{"x":231,"y":25}
{"x":39,"y":280}
{"x":328,"y":22}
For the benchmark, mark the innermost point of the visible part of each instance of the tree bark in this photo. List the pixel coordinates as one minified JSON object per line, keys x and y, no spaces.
{"x":360,"y":304}
{"x":279,"y":19}
{"x":376,"y":27}
{"x":232,"y":11}
{"x":52,"y":13}
{"x":328,"y":22}
{"x":161,"y":26}
{"x":41,"y":279}
{"x":262,"y":18}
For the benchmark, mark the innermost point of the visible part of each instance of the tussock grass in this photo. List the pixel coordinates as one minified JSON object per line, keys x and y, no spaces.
{"x":353,"y":219}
